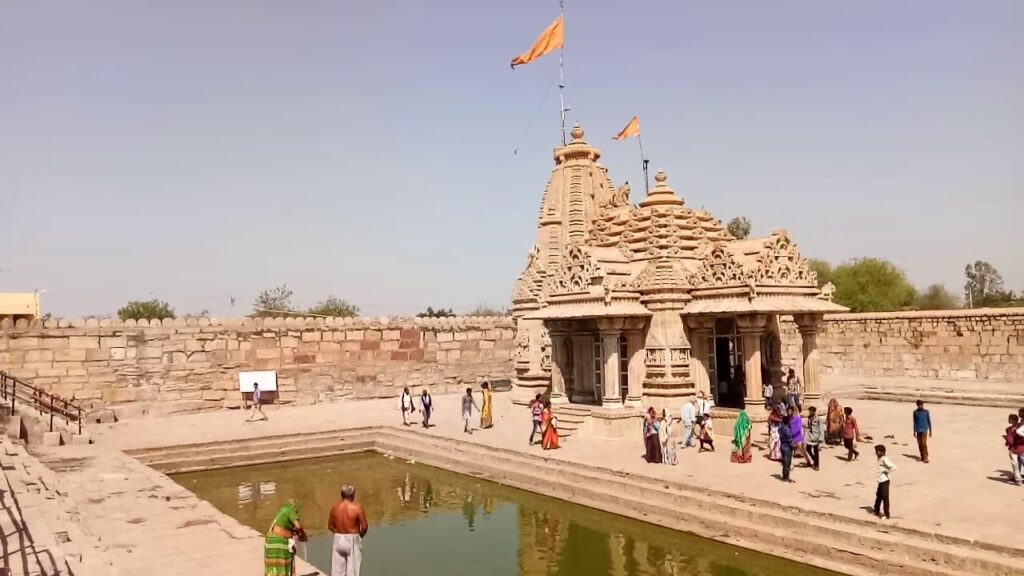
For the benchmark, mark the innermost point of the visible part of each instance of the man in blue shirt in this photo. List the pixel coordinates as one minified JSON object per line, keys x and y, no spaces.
{"x":922,"y":429}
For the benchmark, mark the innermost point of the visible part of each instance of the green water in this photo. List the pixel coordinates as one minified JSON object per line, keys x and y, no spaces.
{"x":430,"y":522}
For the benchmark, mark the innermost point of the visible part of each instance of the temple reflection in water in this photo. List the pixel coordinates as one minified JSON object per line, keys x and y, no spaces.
{"x":427,"y":521}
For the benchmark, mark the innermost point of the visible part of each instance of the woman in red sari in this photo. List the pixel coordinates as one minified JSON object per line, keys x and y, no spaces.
{"x":549,"y":428}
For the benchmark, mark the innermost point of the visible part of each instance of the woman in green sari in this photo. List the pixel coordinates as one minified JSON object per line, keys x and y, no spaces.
{"x":278,"y":550}
{"x":741,"y":439}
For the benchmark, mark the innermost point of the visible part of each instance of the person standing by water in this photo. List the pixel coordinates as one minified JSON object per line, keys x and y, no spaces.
{"x":278,"y":552}
{"x":549,"y":437}
{"x":884,"y":475}
{"x":687,"y":416}
{"x":815,"y":436}
{"x":741,"y":439}
{"x":668,"y":448}
{"x":486,"y":415}
{"x":426,"y":407}
{"x":257,"y":404}
{"x":407,"y":405}
{"x":536,"y":409}
{"x":786,"y":447}
{"x":851,"y":434}
{"x":468,"y":404}
{"x":652,"y":443}
{"x":347,"y":522}
{"x":922,"y":429}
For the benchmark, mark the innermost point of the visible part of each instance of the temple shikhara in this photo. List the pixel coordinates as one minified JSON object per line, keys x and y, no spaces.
{"x":624,"y":305}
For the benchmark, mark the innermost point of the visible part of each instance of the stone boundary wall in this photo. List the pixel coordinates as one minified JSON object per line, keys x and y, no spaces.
{"x":187,"y":365}
{"x":978,"y":344}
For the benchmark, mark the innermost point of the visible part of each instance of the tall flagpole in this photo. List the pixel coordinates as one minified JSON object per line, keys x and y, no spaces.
{"x":643,"y":158}
{"x":561,"y":72}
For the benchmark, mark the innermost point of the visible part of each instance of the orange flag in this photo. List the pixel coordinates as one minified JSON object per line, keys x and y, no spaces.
{"x":631,"y":129}
{"x":548,"y":41}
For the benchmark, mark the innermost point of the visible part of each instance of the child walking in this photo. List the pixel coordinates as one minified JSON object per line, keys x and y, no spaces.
{"x":706,"y":433}
{"x":851,"y":434}
{"x":885,"y":468}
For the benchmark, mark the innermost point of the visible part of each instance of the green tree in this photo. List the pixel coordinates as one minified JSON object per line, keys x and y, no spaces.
{"x":872,"y":285}
{"x":439,"y":313}
{"x":822,"y":269}
{"x":334,"y":306}
{"x":273,"y":301}
{"x":146,"y":309}
{"x":739,"y":227}
{"x":936,"y":297}
{"x":985,"y":288}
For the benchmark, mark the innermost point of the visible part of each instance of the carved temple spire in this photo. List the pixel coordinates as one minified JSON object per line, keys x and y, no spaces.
{"x":661,"y":194}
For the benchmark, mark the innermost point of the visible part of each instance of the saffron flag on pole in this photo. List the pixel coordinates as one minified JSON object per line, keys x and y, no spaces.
{"x":631,"y":129}
{"x":548,"y":41}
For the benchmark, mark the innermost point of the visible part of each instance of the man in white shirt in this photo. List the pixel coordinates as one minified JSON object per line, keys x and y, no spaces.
{"x":704,"y":404}
{"x":687,"y":416}
{"x":885,"y":468}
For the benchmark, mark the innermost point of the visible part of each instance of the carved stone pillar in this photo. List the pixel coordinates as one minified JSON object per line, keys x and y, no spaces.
{"x":700,"y":336}
{"x":809,"y":325}
{"x":559,"y":358}
{"x":610,"y":330}
{"x":637,"y":354}
{"x":751,"y":328}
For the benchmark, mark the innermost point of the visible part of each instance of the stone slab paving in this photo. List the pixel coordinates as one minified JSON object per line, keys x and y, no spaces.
{"x":964,"y":492}
{"x":145,"y":523}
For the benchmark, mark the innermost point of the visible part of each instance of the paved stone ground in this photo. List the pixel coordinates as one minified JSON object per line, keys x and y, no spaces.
{"x":964,"y":491}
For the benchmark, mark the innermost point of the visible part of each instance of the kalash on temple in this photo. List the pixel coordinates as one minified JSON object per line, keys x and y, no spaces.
{"x":625,"y":306}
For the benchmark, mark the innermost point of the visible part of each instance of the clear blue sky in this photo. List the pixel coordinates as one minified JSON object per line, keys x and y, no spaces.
{"x":196,"y":150}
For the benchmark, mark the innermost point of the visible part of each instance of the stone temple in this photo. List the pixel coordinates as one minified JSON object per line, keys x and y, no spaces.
{"x":622,"y":305}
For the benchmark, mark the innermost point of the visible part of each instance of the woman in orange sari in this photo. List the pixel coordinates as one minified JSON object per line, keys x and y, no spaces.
{"x":549,"y":427}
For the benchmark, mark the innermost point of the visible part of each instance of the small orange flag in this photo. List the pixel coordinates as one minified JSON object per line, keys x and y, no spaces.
{"x":548,"y":41}
{"x":631,"y":129}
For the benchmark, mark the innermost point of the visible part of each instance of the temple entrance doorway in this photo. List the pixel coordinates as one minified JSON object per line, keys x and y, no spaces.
{"x":725,"y":365}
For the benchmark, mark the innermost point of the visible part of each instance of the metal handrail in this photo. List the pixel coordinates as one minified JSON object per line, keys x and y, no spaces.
{"x":44,"y":402}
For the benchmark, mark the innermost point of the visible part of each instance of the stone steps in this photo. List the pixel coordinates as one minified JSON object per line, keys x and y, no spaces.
{"x":832,"y":541}
{"x":573,"y":419}
{"x":51,"y":540}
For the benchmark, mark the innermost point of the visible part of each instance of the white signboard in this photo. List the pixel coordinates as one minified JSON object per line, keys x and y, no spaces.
{"x":267,"y":379}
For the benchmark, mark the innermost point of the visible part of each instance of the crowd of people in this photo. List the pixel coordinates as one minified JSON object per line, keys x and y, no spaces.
{"x":793,"y":432}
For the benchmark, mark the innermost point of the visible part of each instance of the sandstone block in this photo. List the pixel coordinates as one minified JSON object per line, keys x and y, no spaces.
{"x":267,"y":353}
{"x":392,"y":334}
{"x":373,"y":335}
{"x":39,"y":356}
{"x":213,"y":395}
{"x":330,"y":347}
{"x":355,"y":335}
{"x":88,"y":394}
{"x":445,"y":337}
{"x":51,"y":439}
{"x":312,"y":336}
{"x":81,"y":439}
{"x":460,"y":336}
{"x":113,"y":341}
{"x":389,"y":345}
{"x":119,"y":395}
{"x":23,"y":343}
{"x":82,"y":342}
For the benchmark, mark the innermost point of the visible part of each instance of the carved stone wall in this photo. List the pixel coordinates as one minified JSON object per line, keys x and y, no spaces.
{"x":985,"y":344}
{"x":179,"y":366}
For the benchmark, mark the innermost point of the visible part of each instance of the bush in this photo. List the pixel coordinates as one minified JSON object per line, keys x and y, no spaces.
{"x":872,"y":285}
{"x":439,"y":313}
{"x":146,"y":310}
{"x":334,"y":306}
